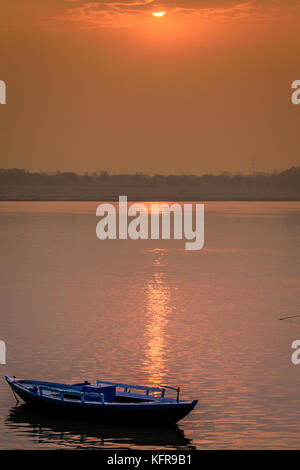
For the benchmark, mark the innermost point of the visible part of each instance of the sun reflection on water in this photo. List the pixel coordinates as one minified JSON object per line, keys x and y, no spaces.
{"x":159,"y":308}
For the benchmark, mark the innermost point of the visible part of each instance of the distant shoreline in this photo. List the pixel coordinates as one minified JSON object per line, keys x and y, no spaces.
{"x":20,"y":185}
{"x":170,"y":199}
{"x":63,"y":193}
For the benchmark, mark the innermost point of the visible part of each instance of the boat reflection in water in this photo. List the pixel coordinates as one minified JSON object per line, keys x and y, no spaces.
{"x":54,"y":432}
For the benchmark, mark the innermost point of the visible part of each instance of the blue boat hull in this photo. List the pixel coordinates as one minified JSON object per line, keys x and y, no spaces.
{"x":153,"y":412}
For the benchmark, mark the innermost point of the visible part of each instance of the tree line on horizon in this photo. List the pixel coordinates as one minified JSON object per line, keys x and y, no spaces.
{"x":287,"y":178}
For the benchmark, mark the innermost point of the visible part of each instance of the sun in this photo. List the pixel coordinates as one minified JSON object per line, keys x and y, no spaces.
{"x":158,"y":14}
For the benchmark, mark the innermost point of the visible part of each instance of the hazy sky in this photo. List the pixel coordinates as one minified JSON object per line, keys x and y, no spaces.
{"x":103,"y":85}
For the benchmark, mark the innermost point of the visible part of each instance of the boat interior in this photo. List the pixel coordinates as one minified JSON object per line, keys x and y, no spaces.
{"x":104,"y":392}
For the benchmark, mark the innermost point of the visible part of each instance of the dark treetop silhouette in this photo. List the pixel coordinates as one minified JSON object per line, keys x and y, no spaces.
{"x":20,"y":185}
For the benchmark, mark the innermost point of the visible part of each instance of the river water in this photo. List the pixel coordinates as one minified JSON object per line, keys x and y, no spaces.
{"x":76,"y":308}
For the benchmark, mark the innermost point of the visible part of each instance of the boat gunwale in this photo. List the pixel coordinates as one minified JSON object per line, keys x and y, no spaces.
{"x":154,"y":402}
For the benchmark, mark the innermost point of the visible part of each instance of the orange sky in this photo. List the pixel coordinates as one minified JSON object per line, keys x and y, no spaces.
{"x":103,"y":85}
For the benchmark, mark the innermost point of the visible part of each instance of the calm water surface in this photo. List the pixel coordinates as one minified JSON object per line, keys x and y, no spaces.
{"x":74,"y":307}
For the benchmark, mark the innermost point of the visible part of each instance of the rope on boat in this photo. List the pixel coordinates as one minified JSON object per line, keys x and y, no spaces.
{"x":292,"y":316}
{"x":16,"y":398}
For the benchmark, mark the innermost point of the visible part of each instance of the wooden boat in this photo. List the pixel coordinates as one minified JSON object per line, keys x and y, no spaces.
{"x":104,"y":401}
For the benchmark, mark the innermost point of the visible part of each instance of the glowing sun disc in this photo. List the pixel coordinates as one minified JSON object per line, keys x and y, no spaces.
{"x":159,"y":14}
